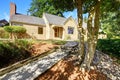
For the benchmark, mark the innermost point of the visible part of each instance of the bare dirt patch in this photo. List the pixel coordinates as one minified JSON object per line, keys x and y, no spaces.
{"x":39,"y":48}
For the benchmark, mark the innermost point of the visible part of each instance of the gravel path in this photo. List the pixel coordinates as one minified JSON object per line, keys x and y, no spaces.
{"x":32,"y":70}
{"x":109,"y":68}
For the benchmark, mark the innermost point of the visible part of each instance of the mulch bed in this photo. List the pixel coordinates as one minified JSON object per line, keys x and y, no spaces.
{"x":66,"y":70}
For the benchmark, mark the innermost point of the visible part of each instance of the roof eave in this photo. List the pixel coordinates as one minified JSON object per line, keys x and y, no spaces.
{"x":27,"y":23}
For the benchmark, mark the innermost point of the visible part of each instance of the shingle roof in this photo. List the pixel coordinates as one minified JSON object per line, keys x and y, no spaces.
{"x":27,"y":19}
{"x":53,"y":19}
{"x":3,"y":22}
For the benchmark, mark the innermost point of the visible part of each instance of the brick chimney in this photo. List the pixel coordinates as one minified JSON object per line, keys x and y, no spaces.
{"x":12,"y":9}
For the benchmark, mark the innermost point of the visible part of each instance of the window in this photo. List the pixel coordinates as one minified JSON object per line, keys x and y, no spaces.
{"x":40,"y":30}
{"x":70,"y":30}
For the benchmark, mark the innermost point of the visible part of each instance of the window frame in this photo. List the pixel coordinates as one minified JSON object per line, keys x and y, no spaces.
{"x":70,"y":30}
{"x":40,"y":30}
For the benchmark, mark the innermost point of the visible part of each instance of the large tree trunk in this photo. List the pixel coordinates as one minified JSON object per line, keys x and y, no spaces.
{"x":92,"y":35}
{"x":80,"y":29}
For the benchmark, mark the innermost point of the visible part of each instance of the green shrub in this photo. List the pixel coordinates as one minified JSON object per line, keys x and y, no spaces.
{"x":11,"y":53}
{"x":110,"y":46}
{"x":15,"y":30}
{"x":23,"y":43}
{"x":3,"y":33}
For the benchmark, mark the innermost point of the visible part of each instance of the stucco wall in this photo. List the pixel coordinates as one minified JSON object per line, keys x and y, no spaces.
{"x":47,"y":27}
{"x":33,"y":31}
{"x":51,"y":32}
{"x":71,"y":23}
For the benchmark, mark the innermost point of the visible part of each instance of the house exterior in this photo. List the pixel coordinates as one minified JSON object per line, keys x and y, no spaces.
{"x":48,"y":27}
{"x":3,"y":22}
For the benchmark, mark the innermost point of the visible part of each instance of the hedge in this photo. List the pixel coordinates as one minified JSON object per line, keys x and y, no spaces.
{"x":110,"y":46}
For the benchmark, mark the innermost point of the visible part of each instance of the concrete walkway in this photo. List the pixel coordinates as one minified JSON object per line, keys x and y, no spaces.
{"x":34,"y":69}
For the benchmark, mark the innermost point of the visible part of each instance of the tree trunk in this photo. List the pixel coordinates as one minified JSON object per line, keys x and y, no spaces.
{"x":80,"y":29}
{"x":92,"y":35}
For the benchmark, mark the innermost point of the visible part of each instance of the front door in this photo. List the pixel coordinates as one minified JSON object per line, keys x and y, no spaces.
{"x":58,"y":32}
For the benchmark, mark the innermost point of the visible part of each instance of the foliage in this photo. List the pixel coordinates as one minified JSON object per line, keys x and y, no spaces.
{"x":110,"y":18}
{"x":110,"y":46}
{"x":65,"y":5}
{"x":110,"y":25}
{"x":39,"y":6}
{"x":3,"y":33}
{"x":15,"y":30}
{"x":59,"y":42}
{"x":24,"y":43}
{"x":11,"y":53}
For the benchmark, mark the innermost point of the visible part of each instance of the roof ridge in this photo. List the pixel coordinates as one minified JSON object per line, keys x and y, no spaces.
{"x":54,"y":15}
{"x":28,"y":16}
{"x":54,"y":19}
{"x":68,"y":18}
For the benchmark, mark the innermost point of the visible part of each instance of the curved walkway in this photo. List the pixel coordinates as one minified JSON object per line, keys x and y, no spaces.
{"x":34,"y":69}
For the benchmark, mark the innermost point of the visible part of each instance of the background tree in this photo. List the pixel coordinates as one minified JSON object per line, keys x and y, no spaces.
{"x":110,"y":25}
{"x":39,"y":6}
{"x":14,"y":30}
{"x":110,"y":19}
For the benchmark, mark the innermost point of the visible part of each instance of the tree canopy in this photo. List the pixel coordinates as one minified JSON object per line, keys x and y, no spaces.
{"x":110,"y":25}
{"x":110,"y":18}
{"x":39,"y":6}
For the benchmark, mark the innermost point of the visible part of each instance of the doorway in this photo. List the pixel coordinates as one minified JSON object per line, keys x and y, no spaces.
{"x":58,"y":32}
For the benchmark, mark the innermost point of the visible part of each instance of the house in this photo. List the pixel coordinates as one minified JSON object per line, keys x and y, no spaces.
{"x":48,"y":27}
{"x":3,"y":22}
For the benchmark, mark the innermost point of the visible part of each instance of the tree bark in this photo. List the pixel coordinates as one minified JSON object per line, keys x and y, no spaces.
{"x":80,"y":29}
{"x":92,"y":35}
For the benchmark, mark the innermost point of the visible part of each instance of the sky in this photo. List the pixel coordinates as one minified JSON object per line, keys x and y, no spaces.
{"x":22,"y":7}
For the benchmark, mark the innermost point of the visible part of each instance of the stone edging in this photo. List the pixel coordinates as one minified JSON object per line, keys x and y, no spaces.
{"x":23,"y":62}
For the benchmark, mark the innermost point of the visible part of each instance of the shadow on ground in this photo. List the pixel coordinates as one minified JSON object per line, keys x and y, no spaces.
{"x":66,"y":70}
